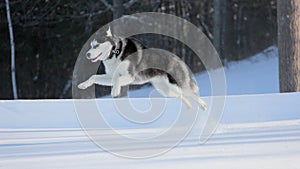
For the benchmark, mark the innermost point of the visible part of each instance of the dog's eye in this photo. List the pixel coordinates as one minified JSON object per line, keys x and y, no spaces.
{"x":96,"y":46}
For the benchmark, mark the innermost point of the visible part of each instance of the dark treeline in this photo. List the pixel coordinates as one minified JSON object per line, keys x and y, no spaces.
{"x":49,"y":36}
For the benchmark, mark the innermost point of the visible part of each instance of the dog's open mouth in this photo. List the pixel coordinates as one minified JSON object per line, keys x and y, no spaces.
{"x":96,"y":58}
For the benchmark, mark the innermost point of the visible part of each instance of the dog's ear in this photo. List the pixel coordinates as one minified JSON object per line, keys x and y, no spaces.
{"x":108,"y":33}
{"x":94,"y":42}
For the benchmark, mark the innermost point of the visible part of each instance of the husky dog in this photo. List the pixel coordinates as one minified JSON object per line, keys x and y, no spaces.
{"x":123,"y":68}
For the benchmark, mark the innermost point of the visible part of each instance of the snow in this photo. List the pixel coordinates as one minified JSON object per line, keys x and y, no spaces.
{"x":61,"y":113}
{"x":256,"y":145}
{"x":256,"y":75}
{"x":260,"y":128}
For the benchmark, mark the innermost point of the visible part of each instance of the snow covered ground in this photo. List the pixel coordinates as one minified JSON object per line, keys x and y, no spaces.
{"x":257,"y":130}
{"x":267,"y":145}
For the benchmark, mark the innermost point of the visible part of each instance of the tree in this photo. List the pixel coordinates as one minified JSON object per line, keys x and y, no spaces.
{"x":289,"y":45}
{"x":12,"y":44}
{"x":117,"y":9}
{"x":51,"y":33}
{"x":219,"y":19}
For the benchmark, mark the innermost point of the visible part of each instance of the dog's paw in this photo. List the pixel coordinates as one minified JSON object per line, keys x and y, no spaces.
{"x":115,"y":92}
{"x":204,"y":107}
{"x":82,"y":85}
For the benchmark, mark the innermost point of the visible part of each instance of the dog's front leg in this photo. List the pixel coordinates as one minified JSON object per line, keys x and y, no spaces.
{"x":104,"y":80}
{"x":120,"y":81}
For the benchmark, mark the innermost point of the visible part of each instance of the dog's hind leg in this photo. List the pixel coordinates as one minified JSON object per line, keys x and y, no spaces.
{"x":166,"y":89}
{"x":199,"y":101}
{"x":184,"y":99}
{"x":177,"y":95}
{"x":104,"y":80}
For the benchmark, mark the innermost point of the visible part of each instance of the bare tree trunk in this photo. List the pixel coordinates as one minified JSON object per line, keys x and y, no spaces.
{"x":217,"y":25}
{"x":118,"y":8}
{"x":289,"y":45}
{"x":221,"y":27}
{"x":11,"y":36}
{"x":228,"y":40}
{"x":118,"y":11}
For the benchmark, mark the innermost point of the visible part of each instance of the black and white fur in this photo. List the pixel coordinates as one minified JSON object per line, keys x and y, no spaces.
{"x":122,"y":70}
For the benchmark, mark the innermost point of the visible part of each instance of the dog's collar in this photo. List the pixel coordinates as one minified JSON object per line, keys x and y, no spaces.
{"x":115,"y":51}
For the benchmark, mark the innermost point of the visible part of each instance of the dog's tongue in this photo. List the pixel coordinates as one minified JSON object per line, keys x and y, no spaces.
{"x":95,"y":60}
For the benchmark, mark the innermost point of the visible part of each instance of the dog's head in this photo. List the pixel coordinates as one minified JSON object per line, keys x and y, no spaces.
{"x":100,"y":51}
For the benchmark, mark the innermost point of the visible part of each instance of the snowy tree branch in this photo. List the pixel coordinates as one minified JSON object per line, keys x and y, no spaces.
{"x":88,"y":14}
{"x":33,"y":21}
{"x":10,"y":3}
{"x":107,"y":5}
{"x":66,"y":88}
{"x":130,"y":3}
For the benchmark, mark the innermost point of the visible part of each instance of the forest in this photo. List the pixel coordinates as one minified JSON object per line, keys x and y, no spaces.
{"x":48,"y":36}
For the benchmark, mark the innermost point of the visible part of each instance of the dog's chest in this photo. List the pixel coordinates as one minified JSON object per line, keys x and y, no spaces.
{"x":114,"y":65}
